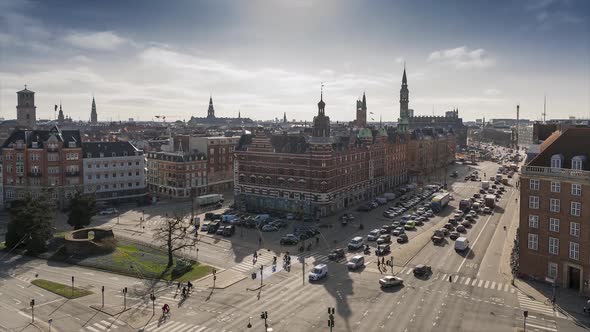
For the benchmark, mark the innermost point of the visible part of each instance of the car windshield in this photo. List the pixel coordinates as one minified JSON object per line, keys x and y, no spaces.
{"x":375,"y":232}
{"x":316,"y":271}
{"x":355,"y":259}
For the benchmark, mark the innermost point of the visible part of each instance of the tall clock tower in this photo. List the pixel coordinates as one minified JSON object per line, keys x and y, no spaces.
{"x":404,"y":100}
{"x":26,"y":111}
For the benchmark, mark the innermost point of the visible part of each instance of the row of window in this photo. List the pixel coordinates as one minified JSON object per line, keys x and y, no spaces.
{"x":553,"y":248}
{"x":555,"y":205}
{"x":554,"y":225}
{"x":106,"y":175}
{"x":577,"y":161}
{"x":576,"y":189}
{"x":121,"y":164}
{"x":113,"y":186}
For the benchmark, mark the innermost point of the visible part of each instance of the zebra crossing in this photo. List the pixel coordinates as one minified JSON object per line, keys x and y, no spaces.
{"x":466,"y":281}
{"x":175,"y":326}
{"x":22,"y":277}
{"x":539,"y":324}
{"x":109,"y":324}
{"x":532,"y":305}
{"x":248,"y":266}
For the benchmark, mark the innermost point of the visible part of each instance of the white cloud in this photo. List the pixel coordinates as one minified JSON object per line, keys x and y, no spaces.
{"x":104,"y":40}
{"x":492,"y":92}
{"x":399,"y":59}
{"x":462,"y":58}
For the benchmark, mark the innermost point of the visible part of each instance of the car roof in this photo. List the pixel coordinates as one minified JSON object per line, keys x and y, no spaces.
{"x":357,"y":257}
{"x":356,"y":238}
{"x":320,"y":266}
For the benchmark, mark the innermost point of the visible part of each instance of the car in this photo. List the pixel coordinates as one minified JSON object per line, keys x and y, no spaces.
{"x":390,"y":281}
{"x":422,"y":270}
{"x":290,"y":216}
{"x":269,"y":228}
{"x":487,"y":210}
{"x":395,"y":224}
{"x":398,"y":231}
{"x":482,"y":191}
{"x":336,"y":254}
{"x":466,"y":224}
{"x":356,"y":262}
{"x":229,"y":230}
{"x":382,"y":249}
{"x":473,"y":214}
{"x":449,"y":226}
{"x":430,"y":214}
{"x":213,"y":227}
{"x":454,"y":235}
{"x":356,"y":243}
{"x":386,"y":229}
{"x":421,"y":210}
{"x":461,"y":229}
{"x":388,"y":214}
{"x":402,"y":238}
{"x":318,"y":272}
{"x":385,"y":238}
{"x":374,"y":235}
{"x":289,"y":239}
{"x":468,"y":218}
{"x":220,"y":230}
{"x":444,"y":231}
{"x":410,"y":225}
{"x":108,"y":211}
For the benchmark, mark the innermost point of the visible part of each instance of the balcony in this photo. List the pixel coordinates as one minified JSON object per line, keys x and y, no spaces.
{"x":35,"y":174}
{"x":556,"y":173}
{"x":72,"y":173}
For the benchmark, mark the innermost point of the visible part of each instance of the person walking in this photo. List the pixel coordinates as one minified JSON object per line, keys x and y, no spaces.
{"x":450,"y":278}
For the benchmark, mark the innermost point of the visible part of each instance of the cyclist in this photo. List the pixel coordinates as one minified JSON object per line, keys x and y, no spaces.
{"x":165,"y":309}
{"x":190,"y":286}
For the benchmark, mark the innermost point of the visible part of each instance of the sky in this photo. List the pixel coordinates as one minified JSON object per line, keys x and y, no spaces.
{"x":264,"y":58}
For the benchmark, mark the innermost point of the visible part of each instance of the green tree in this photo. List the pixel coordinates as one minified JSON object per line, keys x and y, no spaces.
{"x":31,"y":223}
{"x":81,"y":210}
{"x":174,"y":235}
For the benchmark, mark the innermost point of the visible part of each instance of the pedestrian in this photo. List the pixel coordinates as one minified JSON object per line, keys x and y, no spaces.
{"x":383,"y":261}
{"x":178,"y":286}
{"x":259,"y":240}
{"x":378,"y":264}
{"x":450,"y":278}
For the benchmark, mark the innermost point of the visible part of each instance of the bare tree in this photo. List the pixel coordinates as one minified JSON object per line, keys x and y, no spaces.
{"x":174,"y":235}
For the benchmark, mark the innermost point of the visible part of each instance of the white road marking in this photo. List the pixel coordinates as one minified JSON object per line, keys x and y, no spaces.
{"x":506,"y":287}
{"x":467,"y":281}
{"x":486,"y":284}
{"x":541,"y":327}
{"x":444,"y":277}
{"x":474,"y":282}
{"x":480,"y":283}
{"x":39,"y":294}
{"x":474,"y":242}
{"x":493,"y":285}
{"x":499,"y":286}
{"x":409,"y":271}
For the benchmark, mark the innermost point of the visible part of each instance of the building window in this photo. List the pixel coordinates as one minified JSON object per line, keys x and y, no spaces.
{"x":553,"y":246}
{"x":533,"y":221}
{"x":533,"y":184}
{"x":533,"y":241}
{"x":576,"y":208}
{"x":533,"y":202}
{"x":574,"y":229}
{"x":556,"y":161}
{"x":577,"y":163}
{"x":554,"y":205}
{"x":574,"y":250}
{"x":576,"y":189}
{"x":552,"y":270}
{"x":553,"y":225}
{"x":555,"y":186}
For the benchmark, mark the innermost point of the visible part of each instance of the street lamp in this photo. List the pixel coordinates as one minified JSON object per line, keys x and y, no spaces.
{"x":102,"y":290}
{"x":124,"y":298}
{"x":264,"y":315}
{"x":261,"y":268}
{"x":32,"y":310}
{"x":214,"y":277}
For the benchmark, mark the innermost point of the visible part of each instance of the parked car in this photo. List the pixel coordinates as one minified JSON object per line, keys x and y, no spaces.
{"x":398,"y":231}
{"x":466,"y":223}
{"x":289,"y":239}
{"x":390,"y":281}
{"x":402,"y":238}
{"x":213,"y":227}
{"x":336,"y":254}
{"x":108,"y":211}
{"x":382,"y":249}
{"x":422,"y":270}
{"x":229,"y":230}
{"x":385,"y":238}
{"x":454,"y":235}
{"x":461,"y":229}
{"x":487,"y":210}
{"x":410,"y":225}
{"x":374,"y":235}
{"x":269,"y":228}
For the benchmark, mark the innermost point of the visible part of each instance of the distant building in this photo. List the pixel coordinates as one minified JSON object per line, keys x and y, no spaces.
{"x":220,"y":160}
{"x":361,"y":112}
{"x":35,"y":160}
{"x":26,"y":111}
{"x":93,"y":114}
{"x":114,"y":171}
{"x":554,"y":236}
{"x":177,"y":174}
{"x":211,"y":119}
{"x":408,"y":121}
{"x":430,"y":151}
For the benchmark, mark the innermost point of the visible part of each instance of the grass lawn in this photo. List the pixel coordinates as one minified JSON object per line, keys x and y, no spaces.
{"x":138,"y":261}
{"x":2,"y":245}
{"x":61,"y":289}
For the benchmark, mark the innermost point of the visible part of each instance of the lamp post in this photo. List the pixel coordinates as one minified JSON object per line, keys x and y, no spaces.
{"x":153,"y":298}
{"x":32,"y":310}
{"x":261,"y":275}
{"x":214,"y":277}
{"x":525,"y":314}
{"x":102,"y":291}
{"x":72,"y":286}
{"x":124,"y":298}
{"x":264,"y":315}
{"x":50,"y":321}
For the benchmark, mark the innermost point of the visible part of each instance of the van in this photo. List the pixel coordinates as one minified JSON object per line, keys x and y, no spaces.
{"x":356,"y":243}
{"x":356,"y":262}
{"x":318,"y":272}
{"x":461,"y":244}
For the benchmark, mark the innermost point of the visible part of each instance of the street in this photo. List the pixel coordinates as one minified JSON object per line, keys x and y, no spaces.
{"x":465,"y":292}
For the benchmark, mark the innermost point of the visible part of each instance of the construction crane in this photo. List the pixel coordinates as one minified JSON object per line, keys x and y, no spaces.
{"x":163,"y":117}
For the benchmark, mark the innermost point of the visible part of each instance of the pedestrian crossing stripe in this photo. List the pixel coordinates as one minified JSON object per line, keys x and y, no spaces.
{"x":104,"y":325}
{"x":536,"y":306}
{"x":174,"y":326}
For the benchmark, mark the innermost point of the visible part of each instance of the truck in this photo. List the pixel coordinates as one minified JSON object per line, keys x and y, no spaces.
{"x":490,"y":201}
{"x":210,"y":199}
{"x":389,"y":196}
{"x":461,"y":244}
{"x":485,"y":185}
{"x":465,"y":205}
{"x":440,"y":201}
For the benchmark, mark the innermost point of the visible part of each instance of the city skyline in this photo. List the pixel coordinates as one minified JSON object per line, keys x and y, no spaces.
{"x":265,"y":59}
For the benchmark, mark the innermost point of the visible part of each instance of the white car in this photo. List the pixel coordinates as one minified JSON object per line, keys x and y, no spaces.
{"x":108,"y":211}
{"x":318,"y":272}
{"x":374,"y":235}
{"x":391,"y":281}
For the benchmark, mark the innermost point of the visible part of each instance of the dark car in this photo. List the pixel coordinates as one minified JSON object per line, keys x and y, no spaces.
{"x":213,"y":227}
{"x":386,"y":229}
{"x":336,"y":254}
{"x":402,"y":238}
{"x":449,"y":226}
{"x":289,"y":239}
{"x":382,"y":249}
{"x":422,"y":270}
{"x":229,"y":230}
{"x":461,"y":229}
{"x":454,"y":235}
{"x":249,"y":223}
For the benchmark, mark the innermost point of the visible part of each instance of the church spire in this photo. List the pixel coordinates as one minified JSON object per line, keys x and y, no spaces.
{"x":93,"y":115}
{"x":210,"y":110}
{"x":404,"y":77}
{"x":321,"y":104}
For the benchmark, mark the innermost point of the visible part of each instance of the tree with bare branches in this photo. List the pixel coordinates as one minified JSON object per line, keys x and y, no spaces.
{"x":173,"y":235}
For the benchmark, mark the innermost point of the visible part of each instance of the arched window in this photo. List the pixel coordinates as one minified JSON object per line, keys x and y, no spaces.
{"x":578,"y":162}
{"x":556,"y":161}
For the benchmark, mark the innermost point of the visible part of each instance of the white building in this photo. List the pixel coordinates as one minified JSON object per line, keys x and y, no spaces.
{"x":114,"y":171}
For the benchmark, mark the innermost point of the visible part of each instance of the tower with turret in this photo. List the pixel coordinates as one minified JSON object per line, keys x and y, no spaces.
{"x":211,"y":110}
{"x":321,"y":122}
{"x":93,"y":114}
{"x":26,"y":111}
{"x":361,"y":112}
{"x":404,"y":101}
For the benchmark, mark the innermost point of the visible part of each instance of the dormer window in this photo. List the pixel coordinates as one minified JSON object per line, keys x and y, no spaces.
{"x":114,"y":154}
{"x":89,"y":155}
{"x":71,"y":144}
{"x":556,"y":161}
{"x":578,"y":162}
{"x":35,"y":145}
{"x":102,"y":155}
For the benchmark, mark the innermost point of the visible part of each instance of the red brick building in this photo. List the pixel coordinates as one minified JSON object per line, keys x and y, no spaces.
{"x":554,"y":235}
{"x":318,"y":175}
{"x":42,"y":159}
{"x":177,"y":174}
{"x":430,"y":151}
